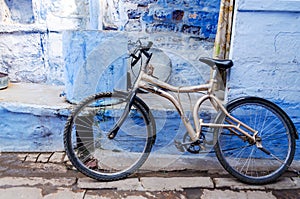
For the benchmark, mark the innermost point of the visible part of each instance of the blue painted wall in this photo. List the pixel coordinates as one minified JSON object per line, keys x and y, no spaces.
{"x":31,"y":128}
{"x":265,"y":49}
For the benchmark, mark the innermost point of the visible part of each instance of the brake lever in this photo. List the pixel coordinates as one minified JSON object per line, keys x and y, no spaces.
{"x":134,"y":56}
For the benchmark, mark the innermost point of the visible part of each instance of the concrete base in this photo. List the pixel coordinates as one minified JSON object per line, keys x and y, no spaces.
{"x":32,"y":117}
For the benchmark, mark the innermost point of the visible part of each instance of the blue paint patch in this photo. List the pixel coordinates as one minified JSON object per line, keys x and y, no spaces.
{"x":42,"y":41}
{"x":89,"y":59}
{"x":192,"y":17}
{"x":21,"y":11}
{"x":133,"y":14}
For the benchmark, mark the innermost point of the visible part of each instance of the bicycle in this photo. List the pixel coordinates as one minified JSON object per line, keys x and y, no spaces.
{"x":109,"y":135}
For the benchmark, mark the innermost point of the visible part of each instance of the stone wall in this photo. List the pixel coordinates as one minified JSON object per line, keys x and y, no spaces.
{"x":31,"y":31}
{"x":31,"y":37}
{"x":184,"y":30}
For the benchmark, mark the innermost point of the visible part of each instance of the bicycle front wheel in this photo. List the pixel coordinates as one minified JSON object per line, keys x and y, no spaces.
{"x":89,"y":147}
{"x":244,"y":159}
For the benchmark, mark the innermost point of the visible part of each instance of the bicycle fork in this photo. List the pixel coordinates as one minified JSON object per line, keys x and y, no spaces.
{"x":114,"y":131}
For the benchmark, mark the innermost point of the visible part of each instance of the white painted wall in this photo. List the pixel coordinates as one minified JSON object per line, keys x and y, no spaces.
{"x":31,"y":37}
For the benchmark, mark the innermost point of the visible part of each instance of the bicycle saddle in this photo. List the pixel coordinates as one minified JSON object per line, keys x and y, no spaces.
{"x":220,"y":63}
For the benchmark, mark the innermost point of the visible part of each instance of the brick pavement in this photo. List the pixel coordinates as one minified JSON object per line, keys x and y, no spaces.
{"x":50,"y":175}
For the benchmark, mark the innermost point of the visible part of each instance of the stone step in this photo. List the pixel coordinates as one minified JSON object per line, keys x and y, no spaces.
{"x":32,"y":117}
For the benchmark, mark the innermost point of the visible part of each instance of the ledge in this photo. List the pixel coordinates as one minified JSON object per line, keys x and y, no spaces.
{"x":32,"y":28}
{"x":35,"y":99}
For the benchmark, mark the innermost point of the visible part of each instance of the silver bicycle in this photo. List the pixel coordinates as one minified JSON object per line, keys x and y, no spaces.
{"x":110,"y":135}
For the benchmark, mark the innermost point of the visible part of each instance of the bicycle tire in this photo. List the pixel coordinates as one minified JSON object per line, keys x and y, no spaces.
{"x":86,"y":139}
{"x":244,"y":160}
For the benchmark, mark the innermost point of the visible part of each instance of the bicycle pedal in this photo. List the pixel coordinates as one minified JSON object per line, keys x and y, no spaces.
{"x":179,"y":146}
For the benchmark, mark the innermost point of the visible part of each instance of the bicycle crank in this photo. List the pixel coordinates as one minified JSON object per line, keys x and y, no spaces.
{"x":188,"y":145}
{"x":192,"y":147}
{"x":196,"y":147}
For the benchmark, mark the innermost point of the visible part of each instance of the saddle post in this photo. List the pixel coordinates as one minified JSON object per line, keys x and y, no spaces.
{"x":213,"y":80}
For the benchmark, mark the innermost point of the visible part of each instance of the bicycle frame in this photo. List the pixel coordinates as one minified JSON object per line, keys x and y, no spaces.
{"x":156,"y":86}
{"x":146,"y":81}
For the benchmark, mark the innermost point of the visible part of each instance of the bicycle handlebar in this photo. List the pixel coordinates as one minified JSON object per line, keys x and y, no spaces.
{"x":136,"y":55}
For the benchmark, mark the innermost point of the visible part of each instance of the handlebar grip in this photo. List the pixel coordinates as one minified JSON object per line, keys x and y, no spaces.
{"x":149,"y":46}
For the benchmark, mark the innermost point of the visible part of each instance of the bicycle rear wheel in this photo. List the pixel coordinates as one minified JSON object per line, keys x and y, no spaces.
{"x":90,"y":149}
{"x":245,"y":160}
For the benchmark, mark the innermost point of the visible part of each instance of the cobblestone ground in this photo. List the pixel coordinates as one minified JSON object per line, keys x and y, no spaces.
{"x":50,"y":175}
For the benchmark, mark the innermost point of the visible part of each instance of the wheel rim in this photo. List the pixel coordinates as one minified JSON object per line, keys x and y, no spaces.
{"x":94,"y":153}
{"x":245,"y":159}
